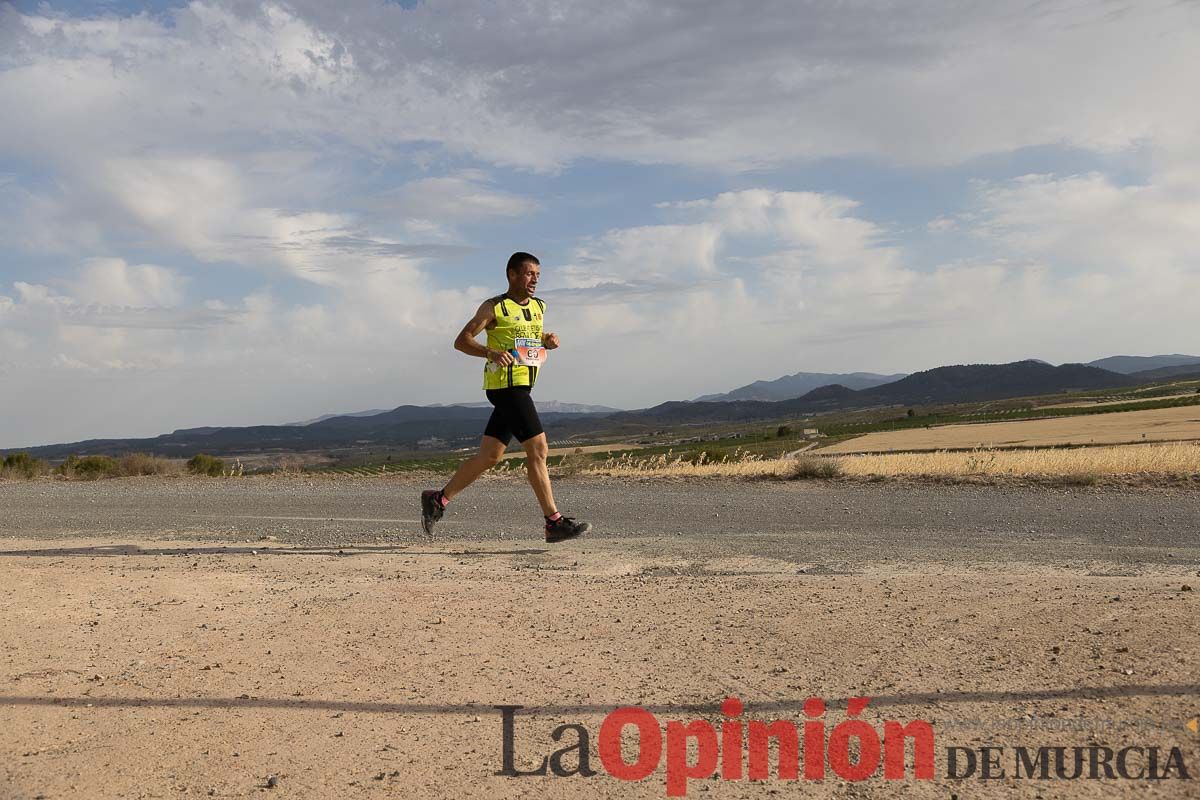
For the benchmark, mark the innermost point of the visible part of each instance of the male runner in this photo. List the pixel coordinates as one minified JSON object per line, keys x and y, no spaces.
{"x":515,"y":351}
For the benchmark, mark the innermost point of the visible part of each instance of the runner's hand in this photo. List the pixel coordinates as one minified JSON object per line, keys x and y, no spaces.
{"x":550,"y":341}
{"x":501,"y":357}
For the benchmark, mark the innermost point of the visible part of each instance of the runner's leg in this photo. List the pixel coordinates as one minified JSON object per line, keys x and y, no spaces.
{"x":491,"y":450}
{"x":539,"y":477}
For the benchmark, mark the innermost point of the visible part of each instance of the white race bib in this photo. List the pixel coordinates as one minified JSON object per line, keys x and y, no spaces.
{"x":530,"y":352}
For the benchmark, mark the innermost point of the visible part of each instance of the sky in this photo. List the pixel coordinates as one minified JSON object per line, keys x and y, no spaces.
{"x":226,"y":212}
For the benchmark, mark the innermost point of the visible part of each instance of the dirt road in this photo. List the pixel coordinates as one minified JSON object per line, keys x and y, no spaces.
{"x":158,"y":643}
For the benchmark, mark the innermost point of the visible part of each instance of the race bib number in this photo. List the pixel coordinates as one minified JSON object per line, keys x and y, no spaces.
{"x":530,"y":352}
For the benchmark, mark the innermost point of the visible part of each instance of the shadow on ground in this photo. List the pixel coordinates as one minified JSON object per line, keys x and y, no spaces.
{"x":261,"y":550}
{"x":792,"y":706}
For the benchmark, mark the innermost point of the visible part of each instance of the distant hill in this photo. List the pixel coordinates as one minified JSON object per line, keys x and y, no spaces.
{"x":400,"y":428}
{"x":967,"y":383}
{"x":953,"y":384}
{"x":1127,"y":365}
{"x":801,"y":383}
{"x":544,"y":406}
{"x":372,"y":412}
{"x":1183,"y":371}
{"x":404,"y":427}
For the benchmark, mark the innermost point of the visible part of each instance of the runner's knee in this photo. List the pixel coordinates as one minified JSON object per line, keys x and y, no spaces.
{"x":536,"y":448}
{"x":491,"y":454}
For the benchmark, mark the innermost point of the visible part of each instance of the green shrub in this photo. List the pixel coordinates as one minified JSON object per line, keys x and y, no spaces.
{"x":22,"y":465}
{"x":202,"y":464}
{"x":815,"y":467}
{"x":783,"y":431}
{"x":89,"y":468}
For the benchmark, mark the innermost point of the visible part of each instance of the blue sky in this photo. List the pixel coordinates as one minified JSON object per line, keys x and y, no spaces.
{"x":229,"y":212}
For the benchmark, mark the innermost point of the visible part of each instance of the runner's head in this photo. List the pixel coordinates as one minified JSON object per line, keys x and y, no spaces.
{"x":523,"y":271}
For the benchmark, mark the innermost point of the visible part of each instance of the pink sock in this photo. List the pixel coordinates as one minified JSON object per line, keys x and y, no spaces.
{"x":445,"y":501}
{"x":557,"y":516}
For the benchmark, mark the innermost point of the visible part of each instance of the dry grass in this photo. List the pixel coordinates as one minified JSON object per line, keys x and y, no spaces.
{"x":1077,"y":466}
{"x":1174,"y":458}
{"x":739,"y":465}
{"x":146,"y":464}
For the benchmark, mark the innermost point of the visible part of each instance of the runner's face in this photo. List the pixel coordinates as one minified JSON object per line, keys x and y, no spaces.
{"x":526,"y":280}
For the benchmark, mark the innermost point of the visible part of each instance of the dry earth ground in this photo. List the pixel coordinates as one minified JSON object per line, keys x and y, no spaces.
{"x":353,"y":658}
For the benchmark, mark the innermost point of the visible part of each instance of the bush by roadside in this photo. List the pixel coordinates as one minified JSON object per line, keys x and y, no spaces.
{"x":89,"y":468}
{"x":22,"y":466}
{"x":815,"y":467}
{"x":203,"y":464}
{"x":146,"y":464}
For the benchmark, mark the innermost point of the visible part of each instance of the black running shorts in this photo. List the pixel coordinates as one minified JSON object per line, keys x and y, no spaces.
{"x":514,"y":415}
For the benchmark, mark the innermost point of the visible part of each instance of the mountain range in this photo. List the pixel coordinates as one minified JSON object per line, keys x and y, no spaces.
{"x":953,"y":384}
{"x":543,"y":407}
{"x":1127,"y":365}
{"x":406,"y":427}
{"x":801,"y":383}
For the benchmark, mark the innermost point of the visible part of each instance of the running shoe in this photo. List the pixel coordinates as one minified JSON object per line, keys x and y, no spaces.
{"x":431,"y":509}
{"x":565,"y":528}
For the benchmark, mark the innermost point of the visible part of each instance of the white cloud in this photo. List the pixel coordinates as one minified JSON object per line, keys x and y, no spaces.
{"x":160,"y":359}
{"x":112,"y":282}
{"x":468,"y":195}
{"x":648,"y":254}
{"x":823,"y":225}
{"x":923,"y":82}
{"x":1088,"y":221}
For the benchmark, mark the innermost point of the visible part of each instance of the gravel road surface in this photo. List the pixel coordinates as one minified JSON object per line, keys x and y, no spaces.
{"x":846,"y":524}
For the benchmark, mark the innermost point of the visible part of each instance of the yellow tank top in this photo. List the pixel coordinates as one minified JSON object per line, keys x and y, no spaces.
{"x":513,"y":321}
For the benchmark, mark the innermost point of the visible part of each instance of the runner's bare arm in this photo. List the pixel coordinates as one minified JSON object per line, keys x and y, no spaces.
{"x":484,"y":318}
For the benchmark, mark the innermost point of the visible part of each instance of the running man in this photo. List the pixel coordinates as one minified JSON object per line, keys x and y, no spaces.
{"x":516,"y":348}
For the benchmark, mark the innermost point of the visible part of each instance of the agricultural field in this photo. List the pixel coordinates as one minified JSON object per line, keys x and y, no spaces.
{"x":1161,"y":424}
{"x":515,"y":452}
{"x":1120,"y":401}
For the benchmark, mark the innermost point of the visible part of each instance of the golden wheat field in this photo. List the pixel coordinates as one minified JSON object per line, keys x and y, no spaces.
{"x":1160,"y":424}
{"x":1173,"y":458}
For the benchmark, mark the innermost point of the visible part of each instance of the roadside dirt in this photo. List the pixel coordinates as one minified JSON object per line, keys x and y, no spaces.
{"x":367,"y":663}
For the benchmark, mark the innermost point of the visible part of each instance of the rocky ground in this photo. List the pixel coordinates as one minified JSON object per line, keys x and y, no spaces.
{"x":301,"y":637}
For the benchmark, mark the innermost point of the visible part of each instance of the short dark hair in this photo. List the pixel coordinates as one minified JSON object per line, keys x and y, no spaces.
{"x":517,"y":259}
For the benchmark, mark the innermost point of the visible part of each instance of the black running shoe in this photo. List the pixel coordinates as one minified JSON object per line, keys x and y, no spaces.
{"x":565,"y":528}
{"x":431,"y":509}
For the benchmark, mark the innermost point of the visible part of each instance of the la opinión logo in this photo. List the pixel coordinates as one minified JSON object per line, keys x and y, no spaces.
{"x":734,"y":749}
{"x":633,"y":744}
